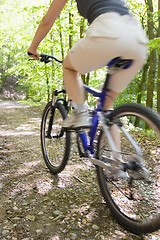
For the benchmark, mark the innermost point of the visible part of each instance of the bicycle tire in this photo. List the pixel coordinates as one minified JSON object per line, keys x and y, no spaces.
{"x":55,"y":143}
{"x":80,"y":147}
{"x":135,"y":214}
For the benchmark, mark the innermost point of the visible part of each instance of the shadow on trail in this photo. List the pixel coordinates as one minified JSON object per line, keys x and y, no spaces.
{"x":38,"y":205}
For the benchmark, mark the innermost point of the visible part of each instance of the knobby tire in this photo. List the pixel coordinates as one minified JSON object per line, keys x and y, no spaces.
{"x":142,"y":214}
{"x":55,"y":143}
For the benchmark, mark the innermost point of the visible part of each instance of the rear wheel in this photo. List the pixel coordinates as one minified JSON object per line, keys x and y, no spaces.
{"x":134,"y":201}
{"x":55,"y":142}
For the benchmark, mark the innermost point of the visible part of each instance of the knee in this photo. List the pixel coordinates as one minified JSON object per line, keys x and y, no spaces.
{"x":64,"y":64}
{"x":67,"y":64}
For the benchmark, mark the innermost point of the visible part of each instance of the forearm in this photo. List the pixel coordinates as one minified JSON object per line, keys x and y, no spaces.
{"x":39,"y":36}
{"x":47,"y":23}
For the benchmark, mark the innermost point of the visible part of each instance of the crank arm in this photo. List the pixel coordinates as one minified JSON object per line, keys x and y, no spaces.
{"x":112,"y":172}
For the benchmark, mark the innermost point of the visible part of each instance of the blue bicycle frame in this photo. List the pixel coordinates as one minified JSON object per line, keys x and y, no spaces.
{"x":88,"y":143}
{"x":114,"y":65}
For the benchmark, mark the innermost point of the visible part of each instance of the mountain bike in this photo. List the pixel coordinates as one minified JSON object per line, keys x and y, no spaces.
{"x":129,"y":178}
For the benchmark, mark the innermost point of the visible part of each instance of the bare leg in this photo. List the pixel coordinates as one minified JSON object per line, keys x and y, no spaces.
{"x":75,"y":90}
{"x":114,"y":129}
{"x":73,"y":82}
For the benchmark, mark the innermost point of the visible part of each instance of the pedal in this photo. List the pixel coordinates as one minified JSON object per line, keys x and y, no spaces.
{"x":111,"y":171}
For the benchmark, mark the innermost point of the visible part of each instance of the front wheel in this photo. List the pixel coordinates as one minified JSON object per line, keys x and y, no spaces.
{"x":134,"y":201}
{"x":55,"y":142}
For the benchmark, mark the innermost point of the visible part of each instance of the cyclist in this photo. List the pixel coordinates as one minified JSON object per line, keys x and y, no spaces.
{"x":113,"y":32}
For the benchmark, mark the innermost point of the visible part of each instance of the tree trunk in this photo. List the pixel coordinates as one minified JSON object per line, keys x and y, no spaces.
{"x":158,"y":77}
{"x":152,"y":60}
{"x":86,"y":77}
{"x":143,"y":80}
{"x":158,"y":86}
{"x":141,"y":88}
{"x":151,"y":79}
{"x":70,"y":31}
{"x":61,"y":36}
{"x":47,"y":82}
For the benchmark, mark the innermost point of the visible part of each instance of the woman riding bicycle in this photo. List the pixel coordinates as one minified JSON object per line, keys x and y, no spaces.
{"x":113,"y":32}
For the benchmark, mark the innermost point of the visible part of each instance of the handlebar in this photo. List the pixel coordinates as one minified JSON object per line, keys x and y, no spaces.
{"x":46,"y":58}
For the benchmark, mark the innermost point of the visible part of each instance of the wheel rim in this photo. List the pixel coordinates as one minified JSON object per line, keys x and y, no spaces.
{"x":55,"y":144}
{"x":146,"y":197}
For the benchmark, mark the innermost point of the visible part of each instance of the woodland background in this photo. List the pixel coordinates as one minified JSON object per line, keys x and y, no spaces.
{"x":36,"y":81}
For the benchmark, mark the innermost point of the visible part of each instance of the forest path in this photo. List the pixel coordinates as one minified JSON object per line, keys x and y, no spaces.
{"x":37,"y":205}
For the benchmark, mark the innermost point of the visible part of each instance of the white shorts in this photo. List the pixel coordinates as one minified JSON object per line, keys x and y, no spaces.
{"x":111,"y":35}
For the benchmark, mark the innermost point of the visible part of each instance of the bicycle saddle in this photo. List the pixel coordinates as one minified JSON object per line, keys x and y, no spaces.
{"x":118,"y":62}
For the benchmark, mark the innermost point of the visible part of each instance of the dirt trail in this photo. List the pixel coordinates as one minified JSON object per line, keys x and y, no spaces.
{"x":37,"y":205}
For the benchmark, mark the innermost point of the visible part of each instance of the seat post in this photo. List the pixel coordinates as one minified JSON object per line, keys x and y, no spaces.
{"x":106,"y":83}
{"x":113,"y":66}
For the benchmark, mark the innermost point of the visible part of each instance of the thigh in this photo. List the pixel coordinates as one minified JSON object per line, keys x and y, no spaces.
{"x":123,"y":77}
{"x":96,"y":49}
{"x":92,"y":53}
{"x":67,"y":63}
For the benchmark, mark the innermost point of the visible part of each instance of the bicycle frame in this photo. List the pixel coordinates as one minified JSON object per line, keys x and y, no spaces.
{"x":87,"y":142}
{"x":119,"y":164}
{"x":97,"y":116}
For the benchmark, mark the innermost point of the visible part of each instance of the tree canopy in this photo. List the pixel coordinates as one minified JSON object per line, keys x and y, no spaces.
{"x":18,"y":24}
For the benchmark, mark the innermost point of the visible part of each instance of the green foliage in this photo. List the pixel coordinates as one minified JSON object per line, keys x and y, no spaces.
{"x":22,"y":19}
{"x":18,"y":23}
{"x":155,"y":44}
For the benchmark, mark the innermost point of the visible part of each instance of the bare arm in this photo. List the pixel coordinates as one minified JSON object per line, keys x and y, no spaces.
{"x":46,"y":24}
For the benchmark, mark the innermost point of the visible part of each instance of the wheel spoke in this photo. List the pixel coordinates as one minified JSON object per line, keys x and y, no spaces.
{"x":55,"y":143}
{"x":137,"y":197}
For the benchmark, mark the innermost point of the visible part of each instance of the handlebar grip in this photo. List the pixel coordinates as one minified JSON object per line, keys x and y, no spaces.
{"x":29,"y":53}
